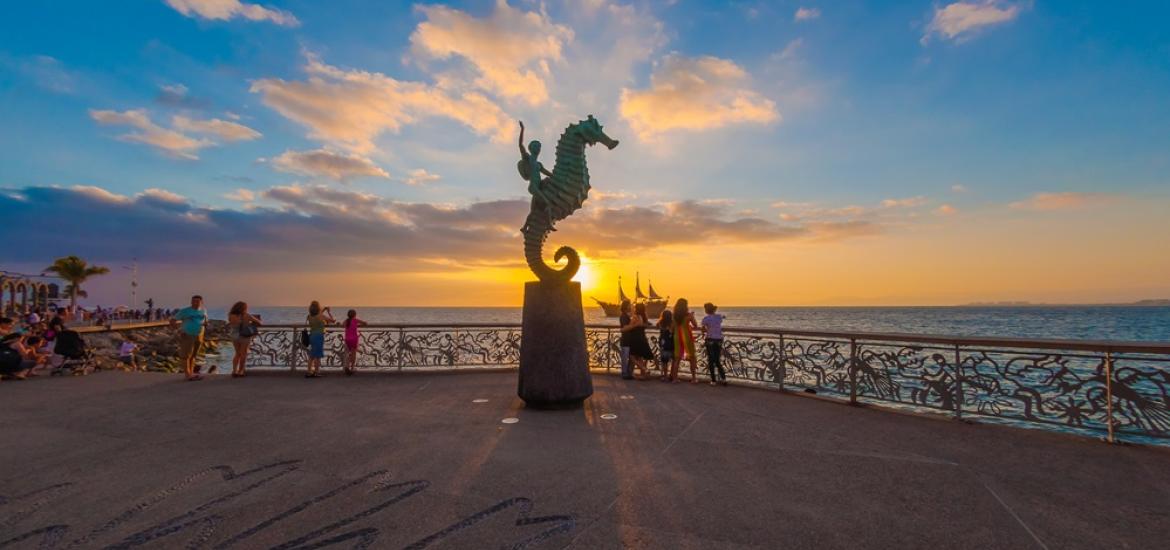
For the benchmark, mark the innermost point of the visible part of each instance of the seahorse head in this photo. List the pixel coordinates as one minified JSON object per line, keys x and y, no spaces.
{"x":591,"y":132}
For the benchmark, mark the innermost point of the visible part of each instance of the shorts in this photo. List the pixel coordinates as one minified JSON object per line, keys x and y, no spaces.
{"x":127,"y":359}
{"x":189,"y":345}
{"x":351,"y":345}
{"x":666,"y":356}
{"x":317,"y":345}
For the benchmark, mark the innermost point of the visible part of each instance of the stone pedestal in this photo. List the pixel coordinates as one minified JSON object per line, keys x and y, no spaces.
{"x":554,"y":362}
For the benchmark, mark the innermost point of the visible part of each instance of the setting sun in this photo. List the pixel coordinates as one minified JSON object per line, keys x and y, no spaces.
{"x":587,"y":274}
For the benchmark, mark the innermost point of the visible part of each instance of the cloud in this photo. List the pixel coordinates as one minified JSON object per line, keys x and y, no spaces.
{"x":350,"y":108}
{"x":420,"y":176}
{"x":806,"y":14}
{"x":47,"y":73}
{"x":166,"y":140}
{"x":231,"y":9}
{"x":325,"y":163}
{"x":790,"y":50}
{"x":173,"y":141}
{"x":510,"y":50}
{"x":695,"y":94}
{"x":310,"y":227}
{"x":176,"y":95}
{"x":223,"y":129}
{"x":946,"y":210}
{"x":1070,"y":200}
{"x":241,"y":195}
{"x":909,"y":202}
{"x":959,"y":188}
{"x":870,"y":217}
{"x":959,"y":21}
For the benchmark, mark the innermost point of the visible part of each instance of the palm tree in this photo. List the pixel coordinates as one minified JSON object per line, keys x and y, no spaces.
{"x":75,"y":271}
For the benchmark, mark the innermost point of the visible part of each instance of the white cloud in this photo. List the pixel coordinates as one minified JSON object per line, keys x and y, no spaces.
{"x":173,"y":141}
{"x":162,"y":195}
{"x":510,"y":50}
{"x":790,"y":50}
{"x":329,"y":164}
{"x":959,"y":188}
{"x":806,"y":14}
{"x":230,"y":9}
{"x":241,"y":195}
{"x":46,"y":72}
{"x":168,"y":141}
{"x":350,"y":108}
{"x":695,"y":94}
{"x":420,"y":176}
{"x":909,"y":202}
{"x":959,"y":21}
{"x":223,"y":129}
{"x":1069,"y":200}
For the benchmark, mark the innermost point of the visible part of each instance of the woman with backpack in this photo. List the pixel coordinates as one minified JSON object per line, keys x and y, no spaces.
{"x":243,"y":327}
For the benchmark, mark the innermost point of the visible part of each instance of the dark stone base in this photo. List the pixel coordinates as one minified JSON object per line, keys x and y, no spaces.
{"x":554,"y":362}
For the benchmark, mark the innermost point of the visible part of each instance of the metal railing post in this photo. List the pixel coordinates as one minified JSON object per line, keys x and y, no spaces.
{"x":608,"y":349}
{"x":852,"y":371}
{"x":1109,"y":395}
{"x":401,"y":346}
{"x":783,"y":365}
{"x":958,"y":383}
{"x":292,"y":350}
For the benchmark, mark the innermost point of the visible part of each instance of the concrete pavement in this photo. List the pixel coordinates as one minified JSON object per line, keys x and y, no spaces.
{"x":411,"y":460}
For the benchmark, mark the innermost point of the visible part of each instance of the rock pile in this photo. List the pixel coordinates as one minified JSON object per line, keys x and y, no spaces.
{"x":158,"y":347}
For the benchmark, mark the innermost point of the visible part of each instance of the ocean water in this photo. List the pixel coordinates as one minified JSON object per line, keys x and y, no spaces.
{"x":1150,"y":324}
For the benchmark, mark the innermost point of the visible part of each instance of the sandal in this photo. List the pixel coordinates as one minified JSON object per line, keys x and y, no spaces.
{"x":194,"y":378}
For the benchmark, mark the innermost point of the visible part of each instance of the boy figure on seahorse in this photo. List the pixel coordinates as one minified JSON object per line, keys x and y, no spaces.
{"x":531,"y":170}
{"x":557,"y":194}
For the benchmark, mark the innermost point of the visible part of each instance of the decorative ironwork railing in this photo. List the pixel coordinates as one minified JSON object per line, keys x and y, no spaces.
{"x":1118,"y":389}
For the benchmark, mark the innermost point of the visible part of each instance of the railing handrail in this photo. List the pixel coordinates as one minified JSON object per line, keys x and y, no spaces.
{"x":1102,"y":346}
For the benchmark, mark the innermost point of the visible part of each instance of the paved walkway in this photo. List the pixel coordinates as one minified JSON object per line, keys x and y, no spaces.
{"x":399,"y":460}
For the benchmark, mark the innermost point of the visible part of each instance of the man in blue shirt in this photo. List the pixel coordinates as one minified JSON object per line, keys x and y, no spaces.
{"x":190,"y":321}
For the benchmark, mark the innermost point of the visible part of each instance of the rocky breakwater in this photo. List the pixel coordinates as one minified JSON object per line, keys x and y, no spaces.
{"x":158,"y":345}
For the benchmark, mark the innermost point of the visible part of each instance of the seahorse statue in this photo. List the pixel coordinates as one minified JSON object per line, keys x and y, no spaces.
{"x":557,"y":196}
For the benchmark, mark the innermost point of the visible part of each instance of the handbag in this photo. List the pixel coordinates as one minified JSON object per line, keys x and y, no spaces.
{"x":247,"y":330}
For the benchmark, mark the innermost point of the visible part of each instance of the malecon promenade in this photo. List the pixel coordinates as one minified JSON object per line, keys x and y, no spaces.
{"x":420,"y":450}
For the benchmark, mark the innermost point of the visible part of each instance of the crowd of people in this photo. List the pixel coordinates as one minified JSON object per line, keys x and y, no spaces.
{"x":79,"y":316}
{"x":676,"y":341}
{"x":34,"y":337}
{"x":29,"y":344}
{"x":243,"y":326}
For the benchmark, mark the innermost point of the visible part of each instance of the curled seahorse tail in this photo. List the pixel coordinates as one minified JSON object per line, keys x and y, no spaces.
{"x":537,"y":231}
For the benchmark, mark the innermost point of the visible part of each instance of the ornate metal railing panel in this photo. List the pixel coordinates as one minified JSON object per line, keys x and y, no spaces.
{"x":1071,"y":386}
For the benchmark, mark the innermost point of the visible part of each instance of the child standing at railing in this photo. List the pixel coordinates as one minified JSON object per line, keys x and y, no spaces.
{"x":351,"y":340}
{"x":713,"y":341}
{"x":666,"y":343}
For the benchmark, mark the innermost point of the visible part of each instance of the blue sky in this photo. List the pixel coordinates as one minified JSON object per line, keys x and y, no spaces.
{"x":761,"y":125}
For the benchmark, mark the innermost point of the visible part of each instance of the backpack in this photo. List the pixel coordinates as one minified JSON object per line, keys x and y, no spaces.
{"x":304,"y":338}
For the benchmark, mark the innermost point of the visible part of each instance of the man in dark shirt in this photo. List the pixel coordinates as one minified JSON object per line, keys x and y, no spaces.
{"x":626,"y":327}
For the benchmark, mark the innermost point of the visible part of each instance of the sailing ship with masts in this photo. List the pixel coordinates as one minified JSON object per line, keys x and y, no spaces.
{"x":655,"y":304}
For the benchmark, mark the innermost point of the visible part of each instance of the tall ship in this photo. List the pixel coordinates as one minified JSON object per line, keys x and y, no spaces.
{"x":655,"y":304}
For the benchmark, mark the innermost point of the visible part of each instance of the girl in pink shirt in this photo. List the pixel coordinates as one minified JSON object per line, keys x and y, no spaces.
{"x":351,"y":340}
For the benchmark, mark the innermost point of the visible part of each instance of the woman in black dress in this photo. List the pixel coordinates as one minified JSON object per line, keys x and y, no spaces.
{"x":640,"y":351}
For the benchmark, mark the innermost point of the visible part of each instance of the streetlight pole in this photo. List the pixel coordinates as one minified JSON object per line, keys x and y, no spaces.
{"x":133,"y":268}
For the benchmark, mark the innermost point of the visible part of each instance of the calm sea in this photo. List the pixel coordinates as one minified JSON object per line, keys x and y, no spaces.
{"x":1065,"y":322}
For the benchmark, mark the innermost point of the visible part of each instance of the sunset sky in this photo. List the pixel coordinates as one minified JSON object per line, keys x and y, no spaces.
{"x":915,"y":152}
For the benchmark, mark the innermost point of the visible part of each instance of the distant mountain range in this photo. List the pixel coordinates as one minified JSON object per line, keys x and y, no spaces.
{"x":1139,"y":303}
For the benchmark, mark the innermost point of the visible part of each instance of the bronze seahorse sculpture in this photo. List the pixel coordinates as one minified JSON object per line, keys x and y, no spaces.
{"x":558,"y":195}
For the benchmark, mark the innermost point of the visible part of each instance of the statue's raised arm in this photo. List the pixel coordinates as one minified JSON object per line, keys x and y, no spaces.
{"x":523,"y":152}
